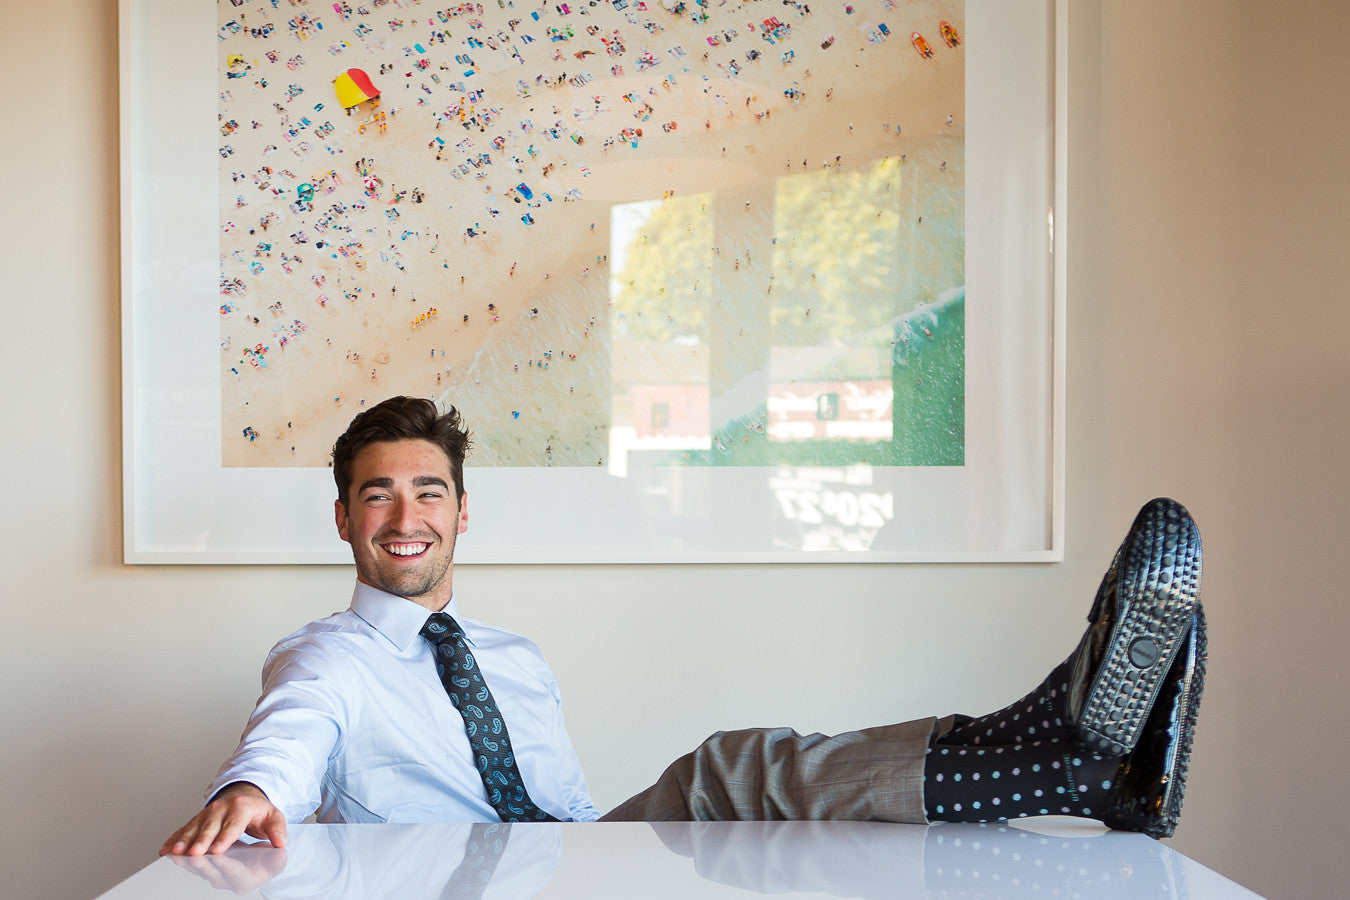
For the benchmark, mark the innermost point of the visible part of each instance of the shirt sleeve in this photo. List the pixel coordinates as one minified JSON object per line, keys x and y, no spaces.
{"x":575,"y":792}
{"x":295,"y":728}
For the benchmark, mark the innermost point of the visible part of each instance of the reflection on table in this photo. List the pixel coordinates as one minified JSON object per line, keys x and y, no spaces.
{"x":1060,"y":858}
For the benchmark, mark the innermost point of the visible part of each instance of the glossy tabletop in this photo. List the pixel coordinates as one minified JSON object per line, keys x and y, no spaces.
{"x":1061,"y":858}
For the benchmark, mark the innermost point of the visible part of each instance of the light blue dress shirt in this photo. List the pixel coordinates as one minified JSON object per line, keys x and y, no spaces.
{"x":353,"y":722}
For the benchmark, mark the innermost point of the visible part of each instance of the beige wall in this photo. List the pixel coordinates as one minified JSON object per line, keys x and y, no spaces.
{"x":1207,"y":330}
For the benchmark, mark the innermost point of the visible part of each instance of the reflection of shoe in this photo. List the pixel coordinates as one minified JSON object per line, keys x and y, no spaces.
{"x":1138,"y":622}
{"x":1147,"y":791}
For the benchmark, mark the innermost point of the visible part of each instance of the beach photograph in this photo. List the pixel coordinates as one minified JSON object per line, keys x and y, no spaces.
{"x":611,"y":233}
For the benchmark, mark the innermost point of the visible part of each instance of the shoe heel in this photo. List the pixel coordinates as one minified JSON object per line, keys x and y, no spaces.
{"x":1180,"y":763}
{"x":1149,"y":789}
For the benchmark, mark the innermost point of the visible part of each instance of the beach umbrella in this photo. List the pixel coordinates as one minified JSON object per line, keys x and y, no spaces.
{"x":353,"y":87}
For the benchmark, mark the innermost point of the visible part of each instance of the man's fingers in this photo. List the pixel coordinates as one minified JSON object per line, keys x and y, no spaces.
{"x":206,"y":833}
{"x":272,"y":829}
{"x":235,"y":824}
{"x":238,"y":808}
{"x":195,"y":836}
{"x":178,"y":839}
{"x":204,"y":843}
{"x":172,"y":841}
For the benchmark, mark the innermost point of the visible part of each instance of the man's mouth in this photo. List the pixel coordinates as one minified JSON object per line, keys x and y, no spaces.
{"x":414,"y":548}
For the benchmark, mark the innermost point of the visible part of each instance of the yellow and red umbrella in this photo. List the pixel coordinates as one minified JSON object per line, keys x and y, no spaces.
{"x":354,"y":87}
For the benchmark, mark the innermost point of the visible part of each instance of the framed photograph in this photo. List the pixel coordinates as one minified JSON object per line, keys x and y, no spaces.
{"x":754,"y":282}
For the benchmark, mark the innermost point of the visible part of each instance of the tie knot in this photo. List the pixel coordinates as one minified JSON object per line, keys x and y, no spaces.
{"x":440,"y":627}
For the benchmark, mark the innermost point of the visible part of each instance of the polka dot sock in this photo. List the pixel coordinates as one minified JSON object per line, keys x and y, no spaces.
{"x":1039,"y":716}
{"x":1037,"y":778}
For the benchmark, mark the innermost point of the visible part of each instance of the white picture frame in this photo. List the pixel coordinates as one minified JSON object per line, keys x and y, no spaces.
{"x":1005,"y":504}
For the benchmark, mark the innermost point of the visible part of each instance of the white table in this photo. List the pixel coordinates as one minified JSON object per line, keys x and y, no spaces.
{"x":1060,"y":858}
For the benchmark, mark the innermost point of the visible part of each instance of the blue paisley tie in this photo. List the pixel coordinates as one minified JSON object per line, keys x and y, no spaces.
{"x":488,"y":737}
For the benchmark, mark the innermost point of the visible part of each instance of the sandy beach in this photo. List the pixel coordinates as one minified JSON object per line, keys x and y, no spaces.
{"x":420,"y":265}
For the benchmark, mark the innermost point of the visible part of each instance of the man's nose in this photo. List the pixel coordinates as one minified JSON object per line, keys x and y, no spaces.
{"x":405,"y":516}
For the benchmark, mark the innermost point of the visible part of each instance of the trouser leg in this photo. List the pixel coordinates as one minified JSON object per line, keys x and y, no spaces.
{"x":876,"y":774}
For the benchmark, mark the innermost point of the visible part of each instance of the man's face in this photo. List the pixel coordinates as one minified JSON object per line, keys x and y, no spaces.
{"x":402,"y":519}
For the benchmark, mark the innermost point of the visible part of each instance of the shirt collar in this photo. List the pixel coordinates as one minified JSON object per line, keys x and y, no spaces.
{"x":397,"y":618}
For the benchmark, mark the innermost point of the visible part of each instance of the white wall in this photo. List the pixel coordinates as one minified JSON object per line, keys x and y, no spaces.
{"x":1208,"y":318}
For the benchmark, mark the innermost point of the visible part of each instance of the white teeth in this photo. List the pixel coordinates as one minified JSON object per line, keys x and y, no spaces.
{"x":406,"y":549}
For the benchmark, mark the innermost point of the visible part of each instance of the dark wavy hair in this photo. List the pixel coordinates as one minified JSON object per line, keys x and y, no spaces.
{"x":402,"y":419}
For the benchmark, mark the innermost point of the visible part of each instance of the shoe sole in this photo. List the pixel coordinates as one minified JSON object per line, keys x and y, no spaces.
{"x":1156,"y":587}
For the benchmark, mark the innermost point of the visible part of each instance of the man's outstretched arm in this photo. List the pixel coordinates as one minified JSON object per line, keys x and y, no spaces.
{"x":239,"y":808}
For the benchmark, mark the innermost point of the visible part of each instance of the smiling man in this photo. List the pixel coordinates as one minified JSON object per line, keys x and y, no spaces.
{"x":397,"y":708}
{"x":355,"y":722}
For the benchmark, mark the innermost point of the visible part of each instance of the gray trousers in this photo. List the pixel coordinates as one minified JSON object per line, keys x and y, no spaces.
{"x":768,"y":774}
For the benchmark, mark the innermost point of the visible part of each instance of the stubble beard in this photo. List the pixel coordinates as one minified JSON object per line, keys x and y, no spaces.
{"x":416,"y":584}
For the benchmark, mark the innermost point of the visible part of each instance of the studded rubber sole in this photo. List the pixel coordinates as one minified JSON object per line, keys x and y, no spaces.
{"x":1155,"y":591}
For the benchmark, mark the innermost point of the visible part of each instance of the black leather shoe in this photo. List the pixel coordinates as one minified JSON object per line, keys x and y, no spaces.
{"x":1147,"y":791}
{"x":1138,"y":623}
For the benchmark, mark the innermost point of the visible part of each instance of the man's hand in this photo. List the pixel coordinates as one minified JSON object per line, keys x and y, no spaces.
{"x":236,"y":809}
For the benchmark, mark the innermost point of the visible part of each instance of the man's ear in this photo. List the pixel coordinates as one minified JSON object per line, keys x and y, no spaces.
{"x":340,"y":517}
{"x":464,"y":513}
